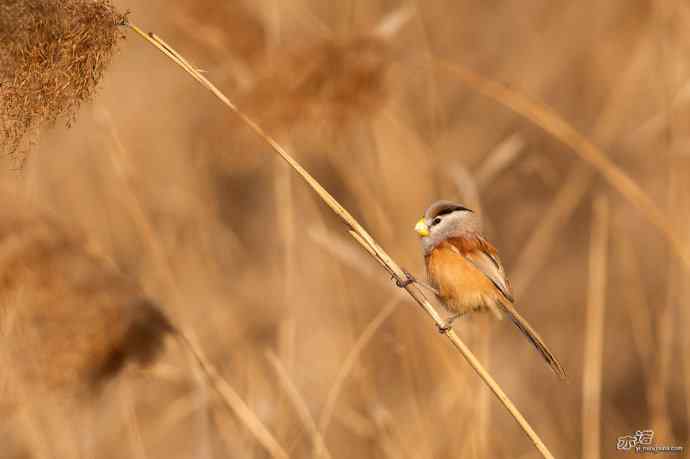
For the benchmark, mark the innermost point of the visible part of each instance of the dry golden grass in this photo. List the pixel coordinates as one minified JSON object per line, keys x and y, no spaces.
{"x":314,"y":354}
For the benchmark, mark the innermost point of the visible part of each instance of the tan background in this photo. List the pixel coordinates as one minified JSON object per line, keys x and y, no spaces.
{"x":243,"y":254}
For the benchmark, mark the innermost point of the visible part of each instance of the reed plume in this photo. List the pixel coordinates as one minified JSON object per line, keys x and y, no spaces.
{"x":71,"y":321}
{"x":53,"y":55}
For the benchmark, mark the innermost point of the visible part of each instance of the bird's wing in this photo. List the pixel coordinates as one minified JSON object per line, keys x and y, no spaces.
{"x":483,"y":256}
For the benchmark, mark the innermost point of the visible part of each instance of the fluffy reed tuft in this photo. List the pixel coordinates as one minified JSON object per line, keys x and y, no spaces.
{"x":52,"y":57}
{"x":337,"y":80}
{"x":71,"y":321}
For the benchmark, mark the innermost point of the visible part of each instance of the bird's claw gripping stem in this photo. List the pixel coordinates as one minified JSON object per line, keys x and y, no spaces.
{"x":446,"y":327}
{"x":409,"y":279}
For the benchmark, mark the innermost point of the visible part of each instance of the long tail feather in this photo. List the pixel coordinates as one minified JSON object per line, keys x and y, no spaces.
{"x":534,"y":337}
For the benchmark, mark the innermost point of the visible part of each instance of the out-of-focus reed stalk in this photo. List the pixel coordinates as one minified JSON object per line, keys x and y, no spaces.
{"x":300,"y":406}
{"x":594,"y":331}
{"x":227,"y":393}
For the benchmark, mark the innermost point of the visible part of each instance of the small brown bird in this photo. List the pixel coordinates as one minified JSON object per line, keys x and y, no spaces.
{"x":465,"y":271}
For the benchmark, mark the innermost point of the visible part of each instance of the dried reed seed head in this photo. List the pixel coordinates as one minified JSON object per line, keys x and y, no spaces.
{"x":333,"y":80}
{"x":141,"y":342}
{"x":53,"y":55}
{"x":311,"y":93}
{"x":221,"y":29}
{"x":69,"y":321}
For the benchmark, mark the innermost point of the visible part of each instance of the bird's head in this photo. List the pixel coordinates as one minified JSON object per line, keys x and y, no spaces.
{"x":443,"y":220}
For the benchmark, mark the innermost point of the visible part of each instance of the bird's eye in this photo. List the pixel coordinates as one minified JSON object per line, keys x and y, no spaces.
{"x":436,"y":221}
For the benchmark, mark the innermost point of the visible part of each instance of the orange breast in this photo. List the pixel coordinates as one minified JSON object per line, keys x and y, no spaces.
{"x":462,"y":287}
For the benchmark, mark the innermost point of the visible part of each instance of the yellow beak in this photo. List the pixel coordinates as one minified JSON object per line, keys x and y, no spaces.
{"x":421,"y":228}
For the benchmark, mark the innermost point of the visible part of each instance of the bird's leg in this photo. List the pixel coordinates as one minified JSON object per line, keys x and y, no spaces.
{"x":443,"y":329}
{"x":409,"y":279}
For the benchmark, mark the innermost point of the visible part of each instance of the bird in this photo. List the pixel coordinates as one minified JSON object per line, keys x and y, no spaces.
{"x":465,"y":272}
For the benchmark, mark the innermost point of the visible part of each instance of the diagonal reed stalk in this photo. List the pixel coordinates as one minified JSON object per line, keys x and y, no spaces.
{"x":300,"y":405}
{"x":232,"y":398}
{"x":356,"y":231}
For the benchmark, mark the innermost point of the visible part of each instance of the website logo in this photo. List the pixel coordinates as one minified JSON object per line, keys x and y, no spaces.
{"x":642,"y":442}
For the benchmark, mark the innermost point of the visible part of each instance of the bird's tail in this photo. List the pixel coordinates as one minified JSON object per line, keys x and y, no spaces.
{"x":534,"y":337}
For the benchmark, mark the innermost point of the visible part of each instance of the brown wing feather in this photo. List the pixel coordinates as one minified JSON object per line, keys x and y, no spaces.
{"x":484,"y":257}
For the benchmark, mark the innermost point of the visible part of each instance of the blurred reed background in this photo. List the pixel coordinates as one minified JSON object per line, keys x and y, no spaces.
{"x":166,"y":186}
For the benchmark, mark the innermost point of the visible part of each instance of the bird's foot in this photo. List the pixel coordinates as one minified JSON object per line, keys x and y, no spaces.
{"x":445,"y":328}
{"x":409,"y":279}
